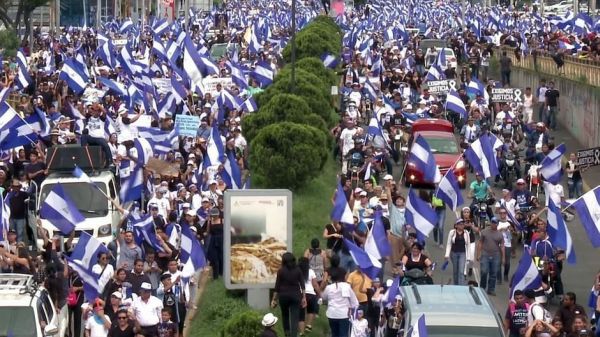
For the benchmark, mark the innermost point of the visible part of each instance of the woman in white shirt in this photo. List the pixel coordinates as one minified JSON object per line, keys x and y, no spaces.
{"x":457,"y":250}
{"x":340,"y":302}
{"x":312,"y":292}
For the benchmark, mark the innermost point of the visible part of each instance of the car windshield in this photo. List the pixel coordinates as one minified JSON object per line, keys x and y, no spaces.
{"x":462,"y":331}
{"x":17,"y":322}
{"x":88,"y":200}
{"x":442,"y":145}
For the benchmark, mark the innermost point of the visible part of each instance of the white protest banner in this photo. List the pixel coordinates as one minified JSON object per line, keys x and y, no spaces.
{"x":186,"y":125}
{"x":163,"y":85}
{"x":441,"y":87}
{"x":506,"y":95}
{"x":210,"y":83}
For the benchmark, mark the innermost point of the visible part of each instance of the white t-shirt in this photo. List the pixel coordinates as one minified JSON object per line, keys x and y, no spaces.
{"x":95,"y":127}
{"x":347,"y":137}
{"x":126,"y":131}
{"x":108,"y":273}
{"x":510,"y":205}
{"x":96,"y":329}
{"x":504,"y":228}
{"x":164,"y":206}
{"x":340,"y":297}
{"x":308,"y":287}
{"x":556,"y":192}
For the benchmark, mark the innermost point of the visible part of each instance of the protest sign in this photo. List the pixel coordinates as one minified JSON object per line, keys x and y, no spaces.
{"x":163,"y":85}
{"x":506,"y":95}
{"x":210,"y":83}
{"x":187,"y":125}
{"x":588,"y":157}
{"x":441,"y":87}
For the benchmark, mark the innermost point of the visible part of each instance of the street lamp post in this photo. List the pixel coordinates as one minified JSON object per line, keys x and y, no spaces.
{"x":293,"y":42}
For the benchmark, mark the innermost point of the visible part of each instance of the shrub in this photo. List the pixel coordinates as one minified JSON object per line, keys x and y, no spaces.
{"x":311,"y":44}
{"x":281,"y":108}
{"x":287,"y":155}
{"x":303,"y":75}
{"x":222,"y":310}
{"x":315,"y":66}
{"x":243,"y":324}
{"x":318,"y":101}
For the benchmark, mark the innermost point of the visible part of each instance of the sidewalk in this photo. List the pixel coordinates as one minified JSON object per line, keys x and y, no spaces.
{"x":591,"y":176}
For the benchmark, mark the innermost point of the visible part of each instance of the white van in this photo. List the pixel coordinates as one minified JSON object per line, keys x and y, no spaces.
{"x":26,"y":309}
{"x":451,"y":60}
{"x":101,"y":217}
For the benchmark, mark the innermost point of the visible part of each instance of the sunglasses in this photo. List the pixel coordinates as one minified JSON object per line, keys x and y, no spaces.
{"x":122,"y":317}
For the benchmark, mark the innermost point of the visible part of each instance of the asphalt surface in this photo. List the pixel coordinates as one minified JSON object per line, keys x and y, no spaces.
{"x":577,"y":278}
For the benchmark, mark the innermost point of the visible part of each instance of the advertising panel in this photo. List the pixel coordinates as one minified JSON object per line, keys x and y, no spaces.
{"x":258,"y":231}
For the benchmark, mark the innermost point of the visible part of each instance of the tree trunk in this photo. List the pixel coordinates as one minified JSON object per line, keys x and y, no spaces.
{"x":27,"y":22}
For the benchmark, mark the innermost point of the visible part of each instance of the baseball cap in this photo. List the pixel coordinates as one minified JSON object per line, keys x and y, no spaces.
{"x":146,"y":286}
{"x":520,"y":181}
{"x":117,"y":294}
{"x":388,"y":177}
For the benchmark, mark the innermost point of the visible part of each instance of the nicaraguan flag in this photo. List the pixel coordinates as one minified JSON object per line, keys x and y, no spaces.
{"x":419,"y":329}
{"x":232,"y":174}
{"x":370,"y":90}
{"x":560,"y":236}
{"x":76,"y":79}
{"x":482,"y":157}
{"x":341,"y":211}
{"x":192,"y":254}
{"x":215,"y":151}
{"x":263,"y":73}
{"x":192,"y":66}
{"x":367,"y":263}
{"x":144,"y":150}
{"x":117,"y":87}
{"x":82,"y":259}
{"x":420,"y":215}
{"x":329,"y":60}
{"x":393,"y":291}
{"x":22,"y":80}
{"x":526,"y":276}
{"x":237,"y":75}
{"x":422,"y":158}
{"x":377,"y":244}
{"x":132,"y":180}
{"x":551,"y":168}
{"x":144,"y":231}
{"x":79,"y":173}
{"x":60,"y":210}
{"x":449,"y":191}
{"x":4,"y":217}
{"x":588,"y":208}
{"x":455,"y":104}
{"x":249,"y":105}
{"x":435,"y":73}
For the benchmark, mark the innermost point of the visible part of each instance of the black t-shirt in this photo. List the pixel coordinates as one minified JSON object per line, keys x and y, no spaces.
{"x":115,"y":331}
{"x":397,"y":120}
{"x":18,"y":207}
{"x":334,"y":244}
{"x":552,"y":97}
{"x":517,"y":316}
{"x":170,"y":302}
{"x":34,"y":167}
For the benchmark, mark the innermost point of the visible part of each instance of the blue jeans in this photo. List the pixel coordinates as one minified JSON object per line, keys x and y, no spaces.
{"x":347,"y":262}
{"x":489,"y":265}
{"x":438,"y":230}
{"x":339,"y":327}
{"x":87,"y":140}
{"x":575,"y":188}
{"x":18,"y":225}
{"x":458,"y":267}
{"x":551,"y":117}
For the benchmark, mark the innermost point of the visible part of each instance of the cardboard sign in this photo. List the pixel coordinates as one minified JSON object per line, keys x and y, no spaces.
{"x":506,"y":95}
{"x":210,"y":83}
{"x":162,"y":168}
{"x":588,"y":157}
{"x":186,"y":125}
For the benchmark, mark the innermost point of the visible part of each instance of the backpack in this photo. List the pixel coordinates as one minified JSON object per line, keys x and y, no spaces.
{"x":546,"y":317}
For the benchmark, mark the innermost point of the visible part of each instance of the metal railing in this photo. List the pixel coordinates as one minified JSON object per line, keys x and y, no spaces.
{"x":576,"y":69}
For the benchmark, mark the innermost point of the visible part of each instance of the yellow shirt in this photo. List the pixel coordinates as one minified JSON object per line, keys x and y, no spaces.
{"x":359,"y":283}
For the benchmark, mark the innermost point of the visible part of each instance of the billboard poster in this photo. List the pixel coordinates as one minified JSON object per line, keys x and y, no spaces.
{"x":258,"y":227}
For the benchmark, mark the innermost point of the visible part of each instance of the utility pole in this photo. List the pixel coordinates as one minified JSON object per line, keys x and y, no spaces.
{"x":98,"y":13}
{"x":293,"y":80}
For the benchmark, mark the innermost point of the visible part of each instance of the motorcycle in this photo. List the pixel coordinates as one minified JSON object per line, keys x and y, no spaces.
{"x":481,"y":212}
{"x":509,"y":168}
{"x":416,"y":276}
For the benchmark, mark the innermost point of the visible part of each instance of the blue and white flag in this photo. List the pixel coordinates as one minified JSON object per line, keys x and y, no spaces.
{"x":329,"y":60}
{"x":393,"y":291}
{"x":263,"y":73}
{"x":435,"y":73}
{"x":192,"y":66}
{"x":419,"y":329}
{"x":192,"y":254}
{"x":449,"y":191}
{"x":8,"y":116}
{"x":551,"y":168}
{"x":249,"y":105}
{"x":588,"y":208}
{"x":82,"y":260}
{"x":559,"y":233}
{"x":144,"y":150}
{"x":526,"y":276}
{"x":79,"y":173}
{"x":132,"y":181}
{"x":215,"y":151}
{"x":367,"y":263}
{"x":60,"y":210}
{"x":91,"y":285}
{"x":420,"y":215}
{"x":377,"y":244}
{"x":22,"y":80}
{"x":375,"y":134}
{"x":422,"y":158}
{"x":482,"y":156}
{"x":455,"y":104}
{"x":232,"y":175}
{"x":71,"y":73}
{"x":237,"y":75}
{"x":341,"y":211}
{"x":144,"y":231}
{"x":370,"y":90}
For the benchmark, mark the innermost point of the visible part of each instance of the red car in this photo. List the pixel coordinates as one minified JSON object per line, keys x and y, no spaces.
{"x":439,"y":134}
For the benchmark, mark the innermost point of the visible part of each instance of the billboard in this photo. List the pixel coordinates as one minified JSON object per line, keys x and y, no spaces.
{"x":258,"y":230}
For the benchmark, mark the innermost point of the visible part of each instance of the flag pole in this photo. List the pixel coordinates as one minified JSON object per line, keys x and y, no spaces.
{"x":451,"y":167}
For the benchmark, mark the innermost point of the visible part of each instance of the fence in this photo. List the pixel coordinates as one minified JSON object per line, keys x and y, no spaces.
{"x":580,"y":70}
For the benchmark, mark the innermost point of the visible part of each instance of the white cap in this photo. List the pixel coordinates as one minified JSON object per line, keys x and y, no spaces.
{"x":117,"y":294}
{"x":388,"y":177}
{"x":185,"y":204}
{"x":520,"y":181}
{"x":146,"y":286}
{"x":212,"y":181}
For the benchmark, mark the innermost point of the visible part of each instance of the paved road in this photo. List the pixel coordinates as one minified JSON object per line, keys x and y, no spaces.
{"x":577,"y":278}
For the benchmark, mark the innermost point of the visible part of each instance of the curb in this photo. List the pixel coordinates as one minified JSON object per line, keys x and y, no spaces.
{"x":204,"y":277}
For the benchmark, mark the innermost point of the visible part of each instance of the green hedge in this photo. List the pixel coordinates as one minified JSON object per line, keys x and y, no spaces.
{"x":243,"y":324}
{"x":320,"y":36}
{"x":287,"y":155}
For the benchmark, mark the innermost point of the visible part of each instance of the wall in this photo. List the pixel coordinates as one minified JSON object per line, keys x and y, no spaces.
{"x":580,"y":104}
